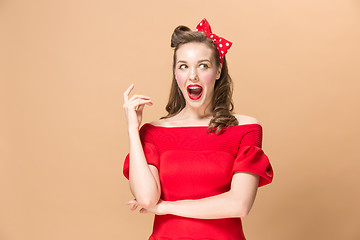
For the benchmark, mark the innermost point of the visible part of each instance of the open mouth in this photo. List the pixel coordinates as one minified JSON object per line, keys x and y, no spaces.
{"x":194,"y":91}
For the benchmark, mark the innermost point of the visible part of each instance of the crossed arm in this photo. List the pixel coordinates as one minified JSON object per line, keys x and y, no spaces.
{"x":235,"y":203}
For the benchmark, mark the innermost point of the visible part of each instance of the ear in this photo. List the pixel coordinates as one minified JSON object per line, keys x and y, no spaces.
{"x":218,"y":73}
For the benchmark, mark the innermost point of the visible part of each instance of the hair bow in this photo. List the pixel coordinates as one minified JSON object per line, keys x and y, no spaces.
{"x":222,"y":44}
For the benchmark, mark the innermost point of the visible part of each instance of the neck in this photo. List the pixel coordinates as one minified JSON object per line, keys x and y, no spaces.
{"x":195,"y":113}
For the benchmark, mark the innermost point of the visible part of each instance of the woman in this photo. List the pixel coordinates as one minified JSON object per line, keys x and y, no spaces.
{"x":198,"y":168}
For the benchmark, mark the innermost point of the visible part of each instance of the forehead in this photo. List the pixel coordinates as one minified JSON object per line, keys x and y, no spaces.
{"x":194,"y":51}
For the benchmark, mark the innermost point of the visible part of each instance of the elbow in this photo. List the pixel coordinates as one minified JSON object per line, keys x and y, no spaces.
{"x":147,"y":199}
{"x":243,"y":211}
{"x":145,"y":203}
{"x":149,"y":202}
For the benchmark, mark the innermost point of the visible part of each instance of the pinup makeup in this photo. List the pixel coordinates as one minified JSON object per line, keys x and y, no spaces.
{"x":194,"y":91}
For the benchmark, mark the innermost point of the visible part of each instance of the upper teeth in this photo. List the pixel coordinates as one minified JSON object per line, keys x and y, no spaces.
{"x":194,"y":87}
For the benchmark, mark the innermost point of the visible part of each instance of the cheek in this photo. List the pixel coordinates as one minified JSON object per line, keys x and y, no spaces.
{"x":180,"y":79}
{"x":209,"y":78}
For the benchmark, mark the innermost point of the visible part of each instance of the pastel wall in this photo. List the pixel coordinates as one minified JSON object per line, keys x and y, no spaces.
{"x":64,"y":66}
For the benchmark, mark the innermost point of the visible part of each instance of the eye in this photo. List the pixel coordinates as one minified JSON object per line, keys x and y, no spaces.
{"x":204,"y":65}
{"x":182,"y":66}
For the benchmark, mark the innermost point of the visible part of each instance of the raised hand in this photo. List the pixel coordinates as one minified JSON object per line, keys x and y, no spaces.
{"x":134,"y":107}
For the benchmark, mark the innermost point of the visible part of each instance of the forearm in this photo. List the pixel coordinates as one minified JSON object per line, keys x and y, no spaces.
{"x":142,"y":182}
{"x":224,"y":205}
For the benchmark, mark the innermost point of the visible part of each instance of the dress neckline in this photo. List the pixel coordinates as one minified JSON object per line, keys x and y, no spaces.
{"x":249,"y":124}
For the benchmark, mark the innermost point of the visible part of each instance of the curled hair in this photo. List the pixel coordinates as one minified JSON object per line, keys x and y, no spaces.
{"x":221,"y":102}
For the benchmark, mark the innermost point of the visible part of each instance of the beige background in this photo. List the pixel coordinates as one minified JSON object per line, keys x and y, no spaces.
{"x":65,"y":64}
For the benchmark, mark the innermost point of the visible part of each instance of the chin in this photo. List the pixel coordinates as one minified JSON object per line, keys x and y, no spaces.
{"x":195,"y":104}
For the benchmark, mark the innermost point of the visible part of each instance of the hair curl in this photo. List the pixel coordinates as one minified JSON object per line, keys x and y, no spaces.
{"x":221,"y":102}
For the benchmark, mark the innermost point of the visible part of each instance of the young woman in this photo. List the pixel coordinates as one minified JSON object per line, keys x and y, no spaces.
{"x":198,"y":168}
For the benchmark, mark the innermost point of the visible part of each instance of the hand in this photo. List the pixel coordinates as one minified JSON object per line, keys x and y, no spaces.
{"x":134,"y":107}
{"x":158,"y":209}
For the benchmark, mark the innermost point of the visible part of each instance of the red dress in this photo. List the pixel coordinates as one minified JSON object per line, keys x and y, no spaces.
{"x":193,"y":164}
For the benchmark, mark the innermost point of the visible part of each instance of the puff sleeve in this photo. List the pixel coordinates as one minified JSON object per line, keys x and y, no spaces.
{"x":251,"y":157}
{"x":150,"y":152}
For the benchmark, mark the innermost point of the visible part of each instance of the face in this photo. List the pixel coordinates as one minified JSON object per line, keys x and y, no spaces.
{"x":196,"y":73}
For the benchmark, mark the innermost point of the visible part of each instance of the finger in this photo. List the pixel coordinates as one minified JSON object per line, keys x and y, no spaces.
{"x":126,"y":93}
{"x":132,"y":204}
{"x":139,"y":96}
{"x":131,"y":201}
{"x":138,"y":102}
{"x":140,"y":108}
{"x":147,"y":103}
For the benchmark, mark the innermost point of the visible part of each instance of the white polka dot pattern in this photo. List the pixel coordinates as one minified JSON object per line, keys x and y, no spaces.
{"x":204,"y":27}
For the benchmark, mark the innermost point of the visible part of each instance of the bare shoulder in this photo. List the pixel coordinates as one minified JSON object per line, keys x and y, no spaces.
{"x":155,"y":123}
{"x":243,"y":119}
{"x":160,"y":122}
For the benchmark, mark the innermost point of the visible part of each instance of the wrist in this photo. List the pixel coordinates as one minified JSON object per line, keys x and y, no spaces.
{"x":132,"y":130}
{"x":165,"y":207}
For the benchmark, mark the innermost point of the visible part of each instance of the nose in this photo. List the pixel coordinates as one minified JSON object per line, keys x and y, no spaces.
{"x":193,"y":74}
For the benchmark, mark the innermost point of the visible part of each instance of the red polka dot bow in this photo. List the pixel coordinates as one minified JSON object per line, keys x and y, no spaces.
{"x":222,"y":44}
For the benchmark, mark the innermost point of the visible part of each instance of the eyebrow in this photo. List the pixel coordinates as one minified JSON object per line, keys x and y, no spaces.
{"x":202,"y":60}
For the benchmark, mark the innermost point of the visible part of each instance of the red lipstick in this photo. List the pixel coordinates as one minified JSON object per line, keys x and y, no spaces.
{"x":194,"y":91}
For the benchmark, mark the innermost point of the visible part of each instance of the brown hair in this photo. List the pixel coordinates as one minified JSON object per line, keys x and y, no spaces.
{"x":222,"y":105}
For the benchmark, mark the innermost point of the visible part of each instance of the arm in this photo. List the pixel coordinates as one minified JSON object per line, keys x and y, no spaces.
{"x":144,"y":180}
{"x":235,"y":203}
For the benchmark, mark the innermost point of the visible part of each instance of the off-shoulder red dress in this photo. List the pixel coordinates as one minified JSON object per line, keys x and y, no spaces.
{"x":193,"y":164}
